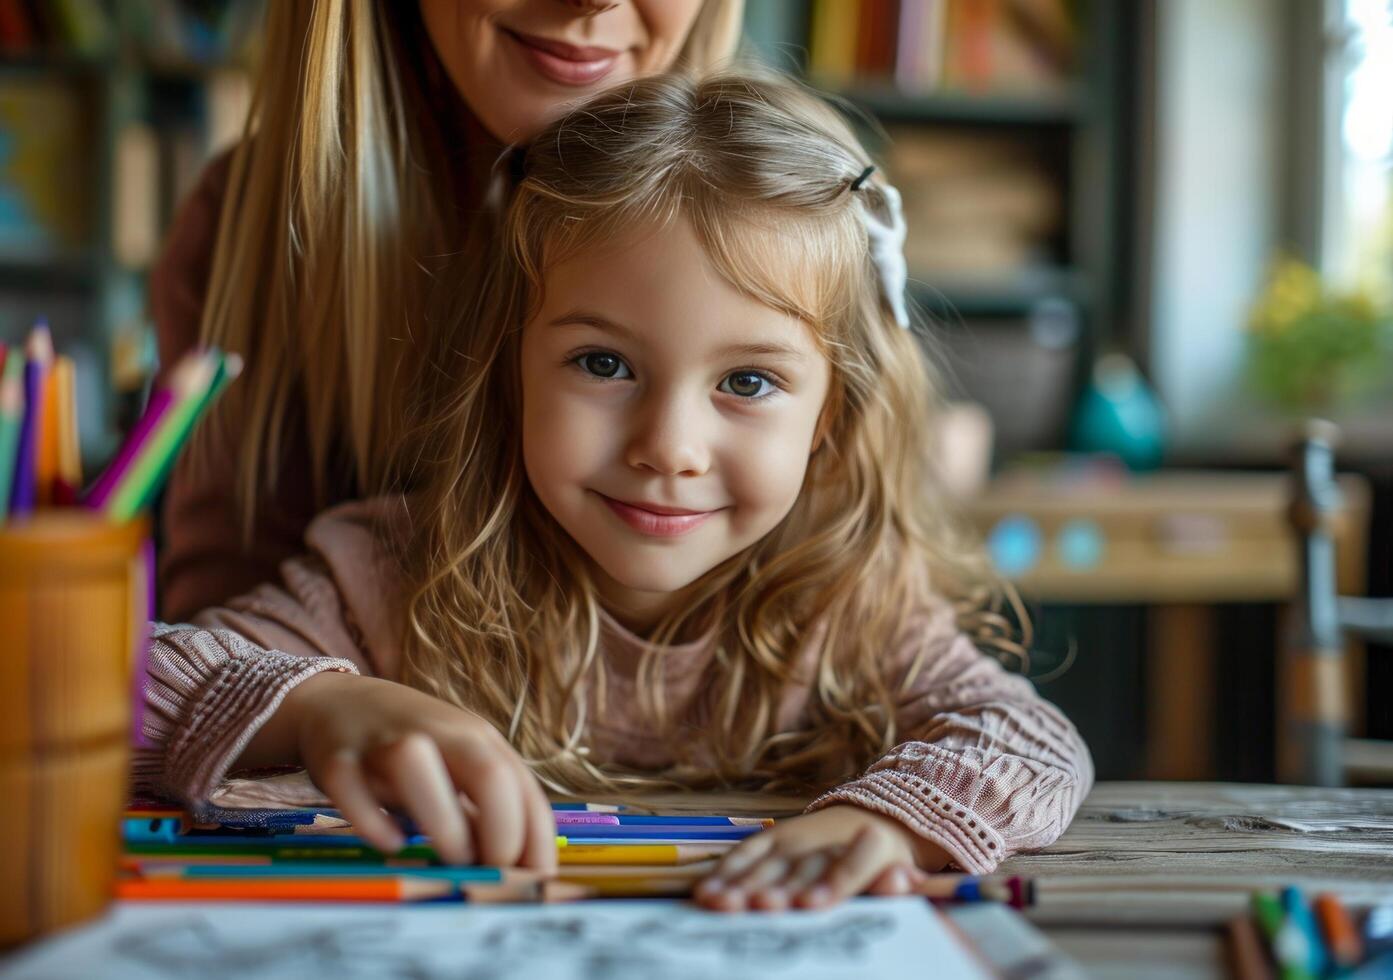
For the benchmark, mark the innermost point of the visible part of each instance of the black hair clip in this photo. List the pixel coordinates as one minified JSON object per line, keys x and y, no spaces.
{"x":862,"y":177}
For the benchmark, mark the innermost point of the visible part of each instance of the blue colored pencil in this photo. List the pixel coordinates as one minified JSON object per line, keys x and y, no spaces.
{"x":592,"y":807}
{"x":1299,"y":915}
{"x":685,"y":821}
{"x":38,"y":355}
{"x":588,"y":832}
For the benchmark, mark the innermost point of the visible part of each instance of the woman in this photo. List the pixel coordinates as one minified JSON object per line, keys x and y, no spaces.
{"x":312,"y":248}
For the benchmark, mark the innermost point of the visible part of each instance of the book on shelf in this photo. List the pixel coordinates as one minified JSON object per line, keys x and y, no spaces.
{"x":44,"y":193}
{"x":980,"y":207}
{"x":980,"y":47}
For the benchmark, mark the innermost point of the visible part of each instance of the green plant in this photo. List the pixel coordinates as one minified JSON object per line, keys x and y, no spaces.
{"x":1310,"y":347}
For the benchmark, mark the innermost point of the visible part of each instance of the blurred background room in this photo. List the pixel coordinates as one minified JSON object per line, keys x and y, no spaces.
{"x":1152,"y":240}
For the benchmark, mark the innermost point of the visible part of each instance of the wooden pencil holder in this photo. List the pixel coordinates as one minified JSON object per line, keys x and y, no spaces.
{"x":73,"y":597}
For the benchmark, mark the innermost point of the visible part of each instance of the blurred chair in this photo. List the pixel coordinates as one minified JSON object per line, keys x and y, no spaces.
{"x":1314,"y":746}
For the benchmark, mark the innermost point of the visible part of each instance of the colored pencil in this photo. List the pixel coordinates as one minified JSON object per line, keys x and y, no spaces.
{"x":38,"y":352}
{"x":189,"y":383}
{"x":515,"y":892}
{"x":650,"y":854}
{"x":1342,"y":940}
{"x":349,"y":851}
{"x":591,"y":807}
{"x":713,"y":840}
{"x":46,"y":439}
{"x":160,"y":401}
{"x":1246,"y":955}
{"x":1285,"y":940}
{"x":582,"y":833}
{"x":68,"y":479}
{"x":290,"y":890}
{"x":229,"y":367}
{"x":11,"y":419}
{"x":586,"y":872}
{"x":1014,"y":891}
{"x":325,"y":869}
{"x":636,"y":820}
{"x":1299,"y":915}
{"x":570,"y":818}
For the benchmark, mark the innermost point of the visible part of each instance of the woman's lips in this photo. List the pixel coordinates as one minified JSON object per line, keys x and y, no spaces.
{"x":564,"y":63}
{"x":658,"y":525}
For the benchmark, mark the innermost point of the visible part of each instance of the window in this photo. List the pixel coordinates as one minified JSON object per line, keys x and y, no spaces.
{"x":1357,"y":228}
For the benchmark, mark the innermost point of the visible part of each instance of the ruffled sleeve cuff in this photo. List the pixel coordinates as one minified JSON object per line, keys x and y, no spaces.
{"x":207,"y":693}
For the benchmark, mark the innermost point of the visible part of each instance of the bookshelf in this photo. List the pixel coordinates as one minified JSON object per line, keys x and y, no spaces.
{"x":109,"y":110}
{"x":1007,"y":126}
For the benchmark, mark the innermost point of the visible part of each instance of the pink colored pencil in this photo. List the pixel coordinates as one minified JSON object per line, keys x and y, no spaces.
{"x":130,"y":449}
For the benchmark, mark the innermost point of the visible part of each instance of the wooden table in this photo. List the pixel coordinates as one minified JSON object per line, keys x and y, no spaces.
{"x":1143,"y":881}
{"x":1178,"y":542}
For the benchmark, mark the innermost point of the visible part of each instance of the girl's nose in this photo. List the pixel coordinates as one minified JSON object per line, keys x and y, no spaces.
{"x":667,"y":440}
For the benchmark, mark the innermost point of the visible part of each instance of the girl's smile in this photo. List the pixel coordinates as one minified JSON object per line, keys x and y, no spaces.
{"x":693,"y":405}
{"x":655,"y":519}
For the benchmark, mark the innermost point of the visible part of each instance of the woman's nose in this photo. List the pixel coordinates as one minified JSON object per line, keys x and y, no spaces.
{"x":667,"y":439}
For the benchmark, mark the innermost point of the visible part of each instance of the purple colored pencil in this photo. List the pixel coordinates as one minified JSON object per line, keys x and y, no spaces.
{"x":25,"y":487}
{"x":573,"y":817}
{"x":130,"y":449}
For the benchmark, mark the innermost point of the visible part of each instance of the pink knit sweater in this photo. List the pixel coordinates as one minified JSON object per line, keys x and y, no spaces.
{"x":989,"y":768}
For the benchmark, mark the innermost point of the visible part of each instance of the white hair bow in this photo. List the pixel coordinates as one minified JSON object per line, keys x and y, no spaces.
{"x":886,"y":239}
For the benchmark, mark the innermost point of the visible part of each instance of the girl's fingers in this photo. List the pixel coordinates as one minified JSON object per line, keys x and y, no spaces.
{"x":848,"y":874}
{"x":743,"y":856}
{"x":807,"y":871}
{"x":539,"y":850}
{"x":497,"y":788}
{"x":891,"y":881}
{"x":341,"y":778}
{"x":422,"y":783}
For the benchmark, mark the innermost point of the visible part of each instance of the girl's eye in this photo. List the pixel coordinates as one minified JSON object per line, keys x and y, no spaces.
{"x":603,"y":365}
{"x":747,"y":384}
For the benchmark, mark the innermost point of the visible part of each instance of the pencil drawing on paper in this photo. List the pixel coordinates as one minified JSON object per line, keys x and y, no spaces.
{"x":569,"y":945}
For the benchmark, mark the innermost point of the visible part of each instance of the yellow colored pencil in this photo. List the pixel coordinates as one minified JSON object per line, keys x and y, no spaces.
{"x":651,"y":854}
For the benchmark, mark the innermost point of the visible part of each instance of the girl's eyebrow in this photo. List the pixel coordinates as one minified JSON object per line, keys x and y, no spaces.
{"x":758,"y":349}
{"x":587,"y":318}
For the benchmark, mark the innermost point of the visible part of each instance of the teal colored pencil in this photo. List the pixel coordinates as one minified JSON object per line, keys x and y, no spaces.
{"x":229,"y":367}
{"x":305,"y":869}
{"x":11,"y":416}
{"x":189,"y":383}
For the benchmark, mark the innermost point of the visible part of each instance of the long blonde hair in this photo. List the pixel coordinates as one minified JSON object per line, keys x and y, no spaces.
{"x":343,"y":200}
{"x":505,"y":619}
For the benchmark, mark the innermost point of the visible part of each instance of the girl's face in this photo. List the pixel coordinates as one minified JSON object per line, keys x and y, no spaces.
{"x":667,"y":418}
{"x":517,"y":63}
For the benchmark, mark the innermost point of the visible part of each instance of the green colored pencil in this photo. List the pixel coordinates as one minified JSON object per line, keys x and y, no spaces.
{"x":190,"y":383}
{"x":281,"y":852}
{"x":11,"y":416}
{"x":229,"y":367}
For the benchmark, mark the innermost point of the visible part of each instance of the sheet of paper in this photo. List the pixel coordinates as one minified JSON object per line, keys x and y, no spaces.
{"x":612,"y":940}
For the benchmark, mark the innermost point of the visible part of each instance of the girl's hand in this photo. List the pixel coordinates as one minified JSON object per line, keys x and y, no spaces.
{"x":818,"y":860}
{"x":371,"y":743}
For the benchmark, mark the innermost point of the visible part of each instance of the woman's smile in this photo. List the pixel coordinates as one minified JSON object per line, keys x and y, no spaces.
{"x":563,"y":63}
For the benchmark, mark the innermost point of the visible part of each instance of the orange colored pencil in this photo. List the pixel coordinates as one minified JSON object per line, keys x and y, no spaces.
{"x":285,"y":889}
{"x":1337,"y":928}
{"x":46,"y":438}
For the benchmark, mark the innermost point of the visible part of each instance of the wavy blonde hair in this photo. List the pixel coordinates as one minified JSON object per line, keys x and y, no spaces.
{"x":341,"y":204}
{"x":505,"y":618}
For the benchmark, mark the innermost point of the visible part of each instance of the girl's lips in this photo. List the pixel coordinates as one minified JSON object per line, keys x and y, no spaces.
{"x":564,"y":63}
{"x":655,"y":524}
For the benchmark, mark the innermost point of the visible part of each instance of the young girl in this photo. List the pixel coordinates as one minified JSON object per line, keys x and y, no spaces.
{"x":681,"y":529}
